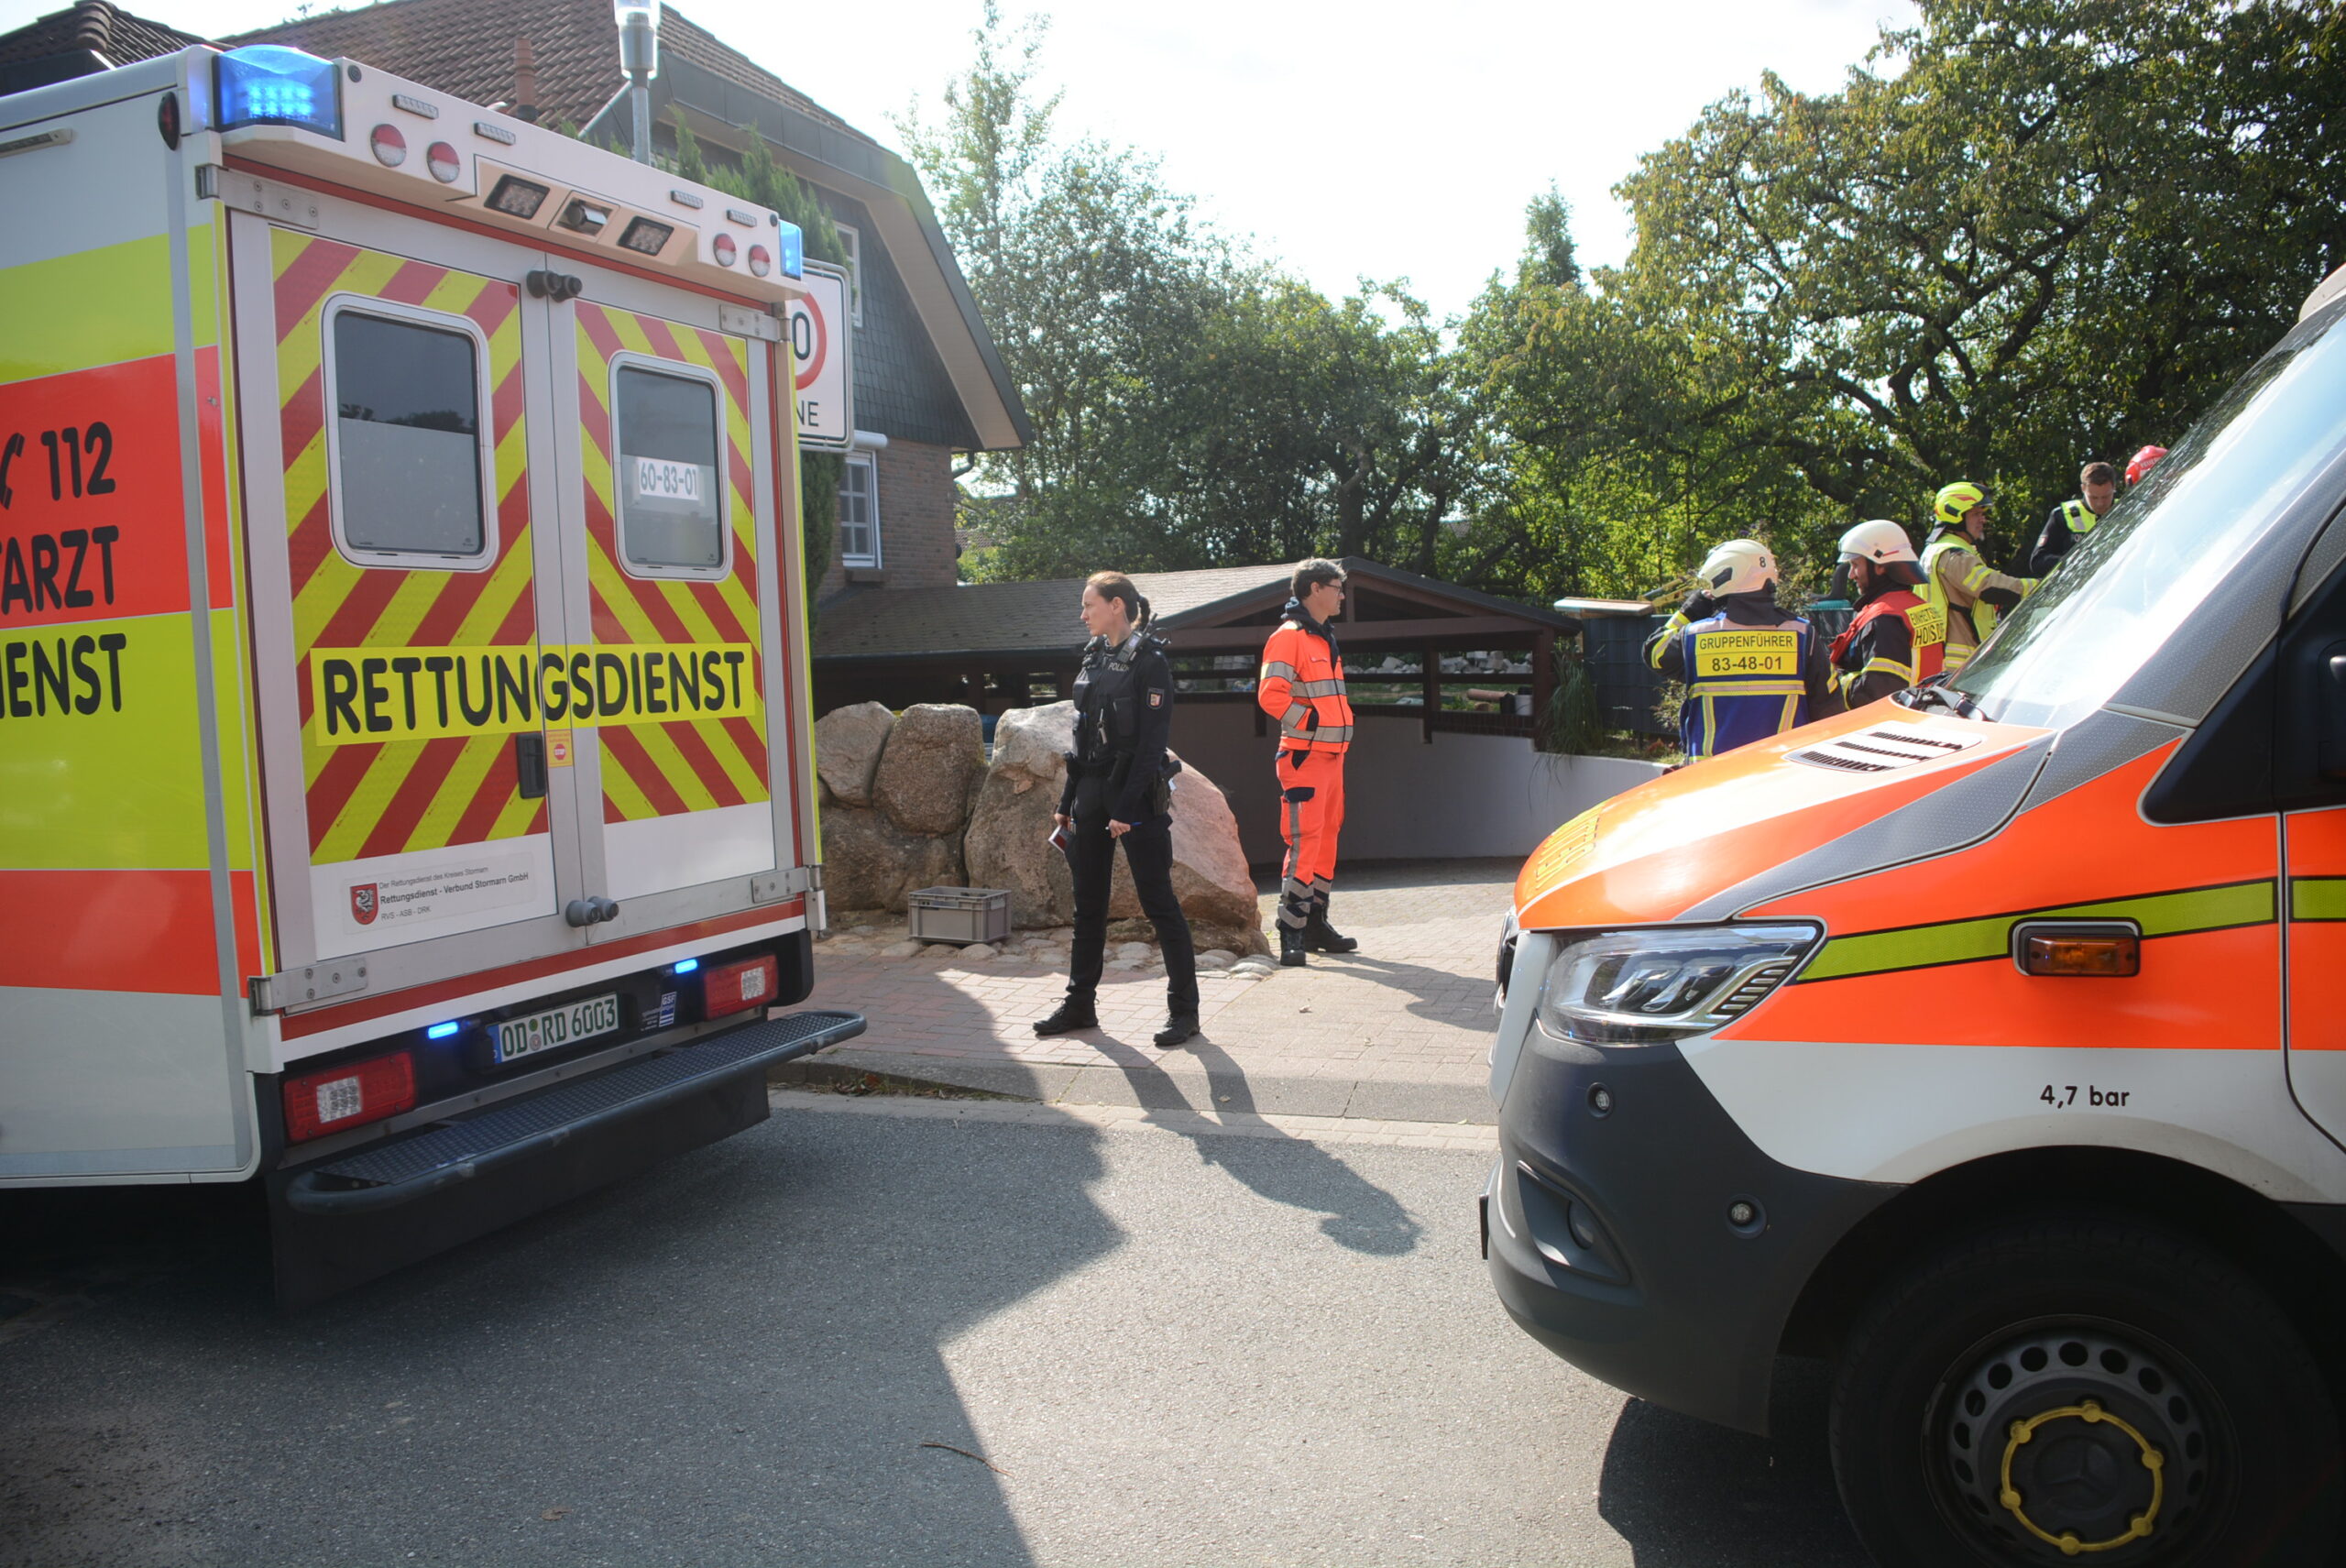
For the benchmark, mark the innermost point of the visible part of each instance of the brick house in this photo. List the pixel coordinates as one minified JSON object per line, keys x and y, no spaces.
{"x":928,"y":382}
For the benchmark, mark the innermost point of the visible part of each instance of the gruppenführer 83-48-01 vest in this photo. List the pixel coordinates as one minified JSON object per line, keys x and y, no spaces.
{"x":1743,"y":683}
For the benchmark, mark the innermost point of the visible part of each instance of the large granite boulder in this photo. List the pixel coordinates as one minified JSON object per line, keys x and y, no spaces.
{"x":848,"y":744}
{"x":930,"y":768}
{"x":870,"y":864}
{"x":1007,"y":844}
{"x":1210,"y":874}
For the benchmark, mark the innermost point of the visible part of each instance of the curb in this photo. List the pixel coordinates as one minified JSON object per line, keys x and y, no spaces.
{"x":1174,"y":1081}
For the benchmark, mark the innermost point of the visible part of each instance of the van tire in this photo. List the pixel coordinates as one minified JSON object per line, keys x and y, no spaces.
{"x":2013,"y":1330}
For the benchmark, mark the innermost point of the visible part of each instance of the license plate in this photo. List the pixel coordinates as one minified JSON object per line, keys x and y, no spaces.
{"x":556,"y":1026}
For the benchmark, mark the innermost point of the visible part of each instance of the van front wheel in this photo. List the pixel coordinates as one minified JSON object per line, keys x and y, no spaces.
{"x":2083,"y":1387}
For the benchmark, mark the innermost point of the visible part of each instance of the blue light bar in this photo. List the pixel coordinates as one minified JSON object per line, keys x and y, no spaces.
{"x":264,"y":84}
{"x":441,"y":1031}
{"x":684,"y":966}
{"x":791,"y":240}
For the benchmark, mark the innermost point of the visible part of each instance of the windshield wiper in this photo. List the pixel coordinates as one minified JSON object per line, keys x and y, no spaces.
{"x":1932,"y":694}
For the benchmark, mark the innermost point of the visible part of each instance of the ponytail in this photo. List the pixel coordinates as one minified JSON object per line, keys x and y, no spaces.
{"x":1116,"y":585}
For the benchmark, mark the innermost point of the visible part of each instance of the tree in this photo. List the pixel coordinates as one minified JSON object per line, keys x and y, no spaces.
{"x":2026,"y":233}
{"x":1191,"y":406}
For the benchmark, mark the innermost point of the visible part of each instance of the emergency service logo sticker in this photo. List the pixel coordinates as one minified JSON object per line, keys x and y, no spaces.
{"x":363,"y":903}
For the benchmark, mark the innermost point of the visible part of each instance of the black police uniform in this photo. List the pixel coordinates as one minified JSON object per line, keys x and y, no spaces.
{"x":1123,"y":715}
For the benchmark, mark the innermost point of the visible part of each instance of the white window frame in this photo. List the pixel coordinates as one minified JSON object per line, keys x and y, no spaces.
{"x":683,"y":370}
{"x":484,"y":436}
{"x":853,"y":239}
{"x":865,"y":461}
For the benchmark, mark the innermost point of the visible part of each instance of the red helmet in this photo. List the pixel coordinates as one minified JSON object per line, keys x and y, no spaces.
{"x":2143,"y":462}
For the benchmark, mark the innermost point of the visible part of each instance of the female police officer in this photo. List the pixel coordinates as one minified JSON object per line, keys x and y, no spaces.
{"x":1117,"y":788}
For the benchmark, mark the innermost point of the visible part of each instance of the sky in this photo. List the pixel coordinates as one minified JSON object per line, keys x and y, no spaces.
{"x":1374,"y":138}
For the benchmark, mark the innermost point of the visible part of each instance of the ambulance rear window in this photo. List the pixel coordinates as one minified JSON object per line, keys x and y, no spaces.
{"x":407,"y":459}
{"x":667,"y":480}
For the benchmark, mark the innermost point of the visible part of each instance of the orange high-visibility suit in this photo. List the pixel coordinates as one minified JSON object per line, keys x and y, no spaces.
{"x":1302,"y":686}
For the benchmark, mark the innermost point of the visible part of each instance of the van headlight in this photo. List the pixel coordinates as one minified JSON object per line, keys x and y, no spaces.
{"x":1665,"y":983}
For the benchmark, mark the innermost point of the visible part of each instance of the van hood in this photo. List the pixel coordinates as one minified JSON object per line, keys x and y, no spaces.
{"x":1654,"y":852}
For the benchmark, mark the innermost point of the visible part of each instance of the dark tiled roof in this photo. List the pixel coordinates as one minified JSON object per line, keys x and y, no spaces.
{"x":1019,"y":618}
{"x":98,"y":28}
{"x":466,"y":47}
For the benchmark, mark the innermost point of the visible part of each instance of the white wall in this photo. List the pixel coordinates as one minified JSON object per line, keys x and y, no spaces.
{"x":1458,"y":797}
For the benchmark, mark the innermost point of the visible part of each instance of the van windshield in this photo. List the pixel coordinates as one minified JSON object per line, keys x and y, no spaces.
{"x":2127,"y":585}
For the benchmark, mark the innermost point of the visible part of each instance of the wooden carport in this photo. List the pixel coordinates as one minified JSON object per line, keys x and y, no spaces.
{"x":995,"y":646}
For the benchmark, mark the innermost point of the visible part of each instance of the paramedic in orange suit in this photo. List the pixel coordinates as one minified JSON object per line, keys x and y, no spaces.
{"x":1302,"y":687}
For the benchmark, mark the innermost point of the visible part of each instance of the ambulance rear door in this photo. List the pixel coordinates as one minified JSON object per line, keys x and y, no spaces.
{"x":398,"y":413}
{"x":671,"y":417}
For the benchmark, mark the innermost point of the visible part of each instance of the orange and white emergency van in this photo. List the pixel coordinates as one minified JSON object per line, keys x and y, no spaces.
{"x":406,"y":786}
{"x":1990,"y":1041}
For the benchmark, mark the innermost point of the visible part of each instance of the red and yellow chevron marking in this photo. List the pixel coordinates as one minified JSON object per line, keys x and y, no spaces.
{"x":661,"y":770}
{"x":367,"y":800}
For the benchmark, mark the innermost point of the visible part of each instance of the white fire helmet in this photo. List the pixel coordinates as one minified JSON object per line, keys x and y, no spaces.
{"x":1879,"y":541}
{"x":1738,"y":566}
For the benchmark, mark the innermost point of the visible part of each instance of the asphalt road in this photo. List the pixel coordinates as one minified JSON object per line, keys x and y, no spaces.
{"x":1161,"y":1349}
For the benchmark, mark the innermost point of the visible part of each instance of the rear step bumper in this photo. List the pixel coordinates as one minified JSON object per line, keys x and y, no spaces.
{"x":375,"y":1211}
{"x":401,"y":1171}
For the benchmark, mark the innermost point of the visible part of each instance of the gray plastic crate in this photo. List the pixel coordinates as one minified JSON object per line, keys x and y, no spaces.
{"x":961,"y":914}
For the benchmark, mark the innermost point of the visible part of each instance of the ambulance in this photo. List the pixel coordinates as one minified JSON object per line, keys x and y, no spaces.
{"x":1991,"y":1042}
{"x":406,"y":791}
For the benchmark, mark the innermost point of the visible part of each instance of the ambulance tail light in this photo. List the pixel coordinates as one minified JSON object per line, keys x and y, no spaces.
{"x":266,"y":84}
{"x":1662,"y":984}
{"x":738,"y":986}
{"x":351,"y":1095}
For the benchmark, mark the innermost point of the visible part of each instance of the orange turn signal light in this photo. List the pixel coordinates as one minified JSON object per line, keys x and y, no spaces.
{"x":2106,"y":952}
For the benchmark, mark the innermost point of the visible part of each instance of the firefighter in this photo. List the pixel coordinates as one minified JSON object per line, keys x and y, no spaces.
{"x":2139,"y":467}
{"x":1302,"y":686}
{"x":1967,"y":592}
{"x":1752,"y":670}
{"x":1118,"y":788}
{"x":1896,"y":639}
{"x":2075,"y":518}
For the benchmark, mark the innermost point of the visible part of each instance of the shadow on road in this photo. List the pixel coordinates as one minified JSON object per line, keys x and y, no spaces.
{"x":734,"y":1359}
{"x":1685,"y":1493}
{"x":1355,"y":1211}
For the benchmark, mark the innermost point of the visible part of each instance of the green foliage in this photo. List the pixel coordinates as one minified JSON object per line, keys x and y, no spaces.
{"x":756,"y":177}
{"x":2030,"y":233}
{"x":1572,"y":723}
{"x":1192,"y":407}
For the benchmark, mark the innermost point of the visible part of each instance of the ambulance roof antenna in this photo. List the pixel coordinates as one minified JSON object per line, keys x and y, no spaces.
{"x":638,"y":23}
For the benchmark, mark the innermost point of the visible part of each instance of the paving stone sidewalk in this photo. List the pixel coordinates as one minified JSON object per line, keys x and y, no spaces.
{"x":1398,"y":1031}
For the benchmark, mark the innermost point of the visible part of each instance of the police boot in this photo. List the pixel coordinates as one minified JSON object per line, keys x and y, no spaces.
{"x":1179,"y":1027}
{"x":1071,"y":1017}
{"x":1291,"y":945}
{"x":1322,"y":937}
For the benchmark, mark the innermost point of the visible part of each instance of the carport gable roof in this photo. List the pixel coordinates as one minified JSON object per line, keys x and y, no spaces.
{"x":1219,"y":609}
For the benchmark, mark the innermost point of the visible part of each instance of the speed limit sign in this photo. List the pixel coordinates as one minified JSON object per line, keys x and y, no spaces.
{"x":822,"y":343}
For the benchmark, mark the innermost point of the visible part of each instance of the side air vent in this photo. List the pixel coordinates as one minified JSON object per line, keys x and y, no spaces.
{"x":1879,"y":750}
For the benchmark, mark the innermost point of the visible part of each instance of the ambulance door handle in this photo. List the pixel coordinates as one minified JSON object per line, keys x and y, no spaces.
{"x":2331,"y":715}
{"x":530,"y":764}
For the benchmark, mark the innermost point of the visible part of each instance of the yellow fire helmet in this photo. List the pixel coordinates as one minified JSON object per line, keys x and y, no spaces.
{"x":1961,"y":498}
{"x":1738,"y":566}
